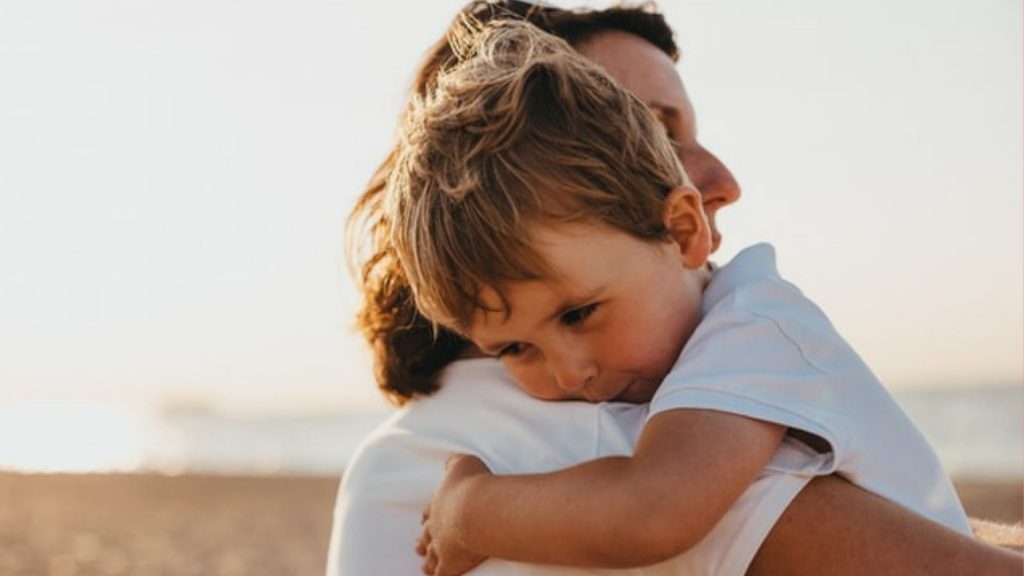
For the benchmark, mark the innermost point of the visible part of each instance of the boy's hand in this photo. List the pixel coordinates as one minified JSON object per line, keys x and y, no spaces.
{"x":439,"y":545}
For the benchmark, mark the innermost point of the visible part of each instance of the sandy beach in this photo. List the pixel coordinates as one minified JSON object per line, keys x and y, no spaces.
{"x":143,"y":525}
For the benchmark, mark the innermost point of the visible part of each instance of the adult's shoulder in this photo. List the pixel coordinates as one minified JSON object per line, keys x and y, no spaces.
{"x":390,"y":478}
{"x":480,"y":410}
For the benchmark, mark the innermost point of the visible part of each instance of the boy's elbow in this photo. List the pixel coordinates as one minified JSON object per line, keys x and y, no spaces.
{"x":658,"y":535}
{"x":647,"y":547}
{"x":668,"y":537}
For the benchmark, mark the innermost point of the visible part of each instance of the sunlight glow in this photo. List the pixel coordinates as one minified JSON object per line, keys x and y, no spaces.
{"x":65,"y":436}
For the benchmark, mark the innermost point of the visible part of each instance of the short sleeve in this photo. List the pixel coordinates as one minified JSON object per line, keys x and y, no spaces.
{"x":750,"y":364}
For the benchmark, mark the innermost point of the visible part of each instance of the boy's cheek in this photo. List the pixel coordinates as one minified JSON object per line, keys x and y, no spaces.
{"x":536,"y":382}
{"x":647,"y":360}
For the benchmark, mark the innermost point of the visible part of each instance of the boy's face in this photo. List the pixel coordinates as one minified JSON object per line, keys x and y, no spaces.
{"x":611,"y":324}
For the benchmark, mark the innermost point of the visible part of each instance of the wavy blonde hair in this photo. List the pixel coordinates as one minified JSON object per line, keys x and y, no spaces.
{"x":521,"y":130}
{"x":408,"y":350}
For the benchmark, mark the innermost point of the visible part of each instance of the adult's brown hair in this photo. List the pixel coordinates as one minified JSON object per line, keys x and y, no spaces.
{"x":408,"y":351}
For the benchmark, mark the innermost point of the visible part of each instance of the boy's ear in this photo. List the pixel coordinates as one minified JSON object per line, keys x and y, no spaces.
{"x":683,"y":215}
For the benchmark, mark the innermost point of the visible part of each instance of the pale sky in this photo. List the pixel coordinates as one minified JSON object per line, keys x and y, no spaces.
{"x":174,"y":177}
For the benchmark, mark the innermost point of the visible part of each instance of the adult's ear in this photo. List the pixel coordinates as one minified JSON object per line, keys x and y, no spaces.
{"x":683,"y":216}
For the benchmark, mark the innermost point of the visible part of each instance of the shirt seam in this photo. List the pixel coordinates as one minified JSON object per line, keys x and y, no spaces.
{"x":791,"y":339}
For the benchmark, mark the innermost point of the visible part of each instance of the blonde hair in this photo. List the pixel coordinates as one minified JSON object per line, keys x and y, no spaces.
{"x":520,"y":130}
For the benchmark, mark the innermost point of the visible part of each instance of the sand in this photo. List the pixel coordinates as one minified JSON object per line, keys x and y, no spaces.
{"x":69,"y":525}
{"x":78,"y":525}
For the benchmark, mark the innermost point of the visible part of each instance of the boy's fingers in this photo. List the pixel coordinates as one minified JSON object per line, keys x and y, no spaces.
{"x":423,"y":542}
{"x":430,"y":564}
{"x":456,"y":458}
{"x":463,"y":464}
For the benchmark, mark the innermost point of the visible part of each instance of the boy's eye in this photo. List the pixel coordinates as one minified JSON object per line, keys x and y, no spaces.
{"x":578,"y":315}
{"x":513,"y":349}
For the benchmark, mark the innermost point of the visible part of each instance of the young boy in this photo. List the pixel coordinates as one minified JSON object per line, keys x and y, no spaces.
{"x":540,"y":211}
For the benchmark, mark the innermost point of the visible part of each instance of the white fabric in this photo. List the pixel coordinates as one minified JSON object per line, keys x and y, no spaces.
{"x":479,"y":410}
{"x":764,"y":350}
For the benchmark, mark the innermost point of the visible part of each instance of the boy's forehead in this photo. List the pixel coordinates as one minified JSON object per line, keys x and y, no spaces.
{"x":527,"y":307}
{"x":582,"y":259}
{"x":519,"y":305}
{"x":489,"y":302}
{"x":499,"y":305}
{"x":491,"y":314}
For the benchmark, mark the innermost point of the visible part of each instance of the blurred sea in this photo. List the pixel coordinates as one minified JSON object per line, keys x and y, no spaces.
{"x":977,"y":432}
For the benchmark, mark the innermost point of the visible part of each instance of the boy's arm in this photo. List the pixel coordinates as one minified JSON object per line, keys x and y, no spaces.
{"x":689,"y":467}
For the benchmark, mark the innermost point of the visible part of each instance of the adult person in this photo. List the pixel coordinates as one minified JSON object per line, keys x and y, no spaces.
{"x":780,"y":524}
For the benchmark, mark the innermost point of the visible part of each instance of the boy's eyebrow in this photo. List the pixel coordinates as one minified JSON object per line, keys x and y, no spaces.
{"x":572,"y":303}
{"x":567,"y":305}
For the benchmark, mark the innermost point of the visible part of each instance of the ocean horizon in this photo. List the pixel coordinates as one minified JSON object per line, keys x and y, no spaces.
{"x":978,"y":433}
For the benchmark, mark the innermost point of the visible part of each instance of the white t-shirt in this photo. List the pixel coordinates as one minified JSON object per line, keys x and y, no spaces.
{"x":479,"y":410}
{"x":761,"y":350}
{"x":764,"y":350}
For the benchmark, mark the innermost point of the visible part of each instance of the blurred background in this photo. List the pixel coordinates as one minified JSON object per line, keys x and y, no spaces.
{"x":175,"y":311}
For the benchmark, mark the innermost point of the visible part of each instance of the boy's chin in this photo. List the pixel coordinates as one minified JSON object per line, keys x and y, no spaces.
{"x":637,"y":392}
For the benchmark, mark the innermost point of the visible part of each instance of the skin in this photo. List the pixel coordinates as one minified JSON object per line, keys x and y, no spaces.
{"x":846,"y":520}
{"x":856,"y":532}
{"x":609,"y":325}
{"x":644,"y":70}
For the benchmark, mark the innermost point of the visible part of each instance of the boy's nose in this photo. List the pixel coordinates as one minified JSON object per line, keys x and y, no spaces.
{"x":573,"y":373}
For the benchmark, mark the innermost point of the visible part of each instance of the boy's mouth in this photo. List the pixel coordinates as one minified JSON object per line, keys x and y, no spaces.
{"x":635,"y":391}
{"x":603,"y":392}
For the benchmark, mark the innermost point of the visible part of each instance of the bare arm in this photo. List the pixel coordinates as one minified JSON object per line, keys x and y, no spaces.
{"x":836,"y":528}
{"x":689,"y":467}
